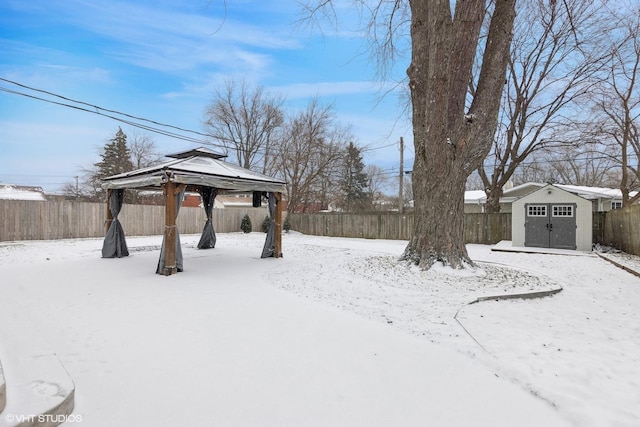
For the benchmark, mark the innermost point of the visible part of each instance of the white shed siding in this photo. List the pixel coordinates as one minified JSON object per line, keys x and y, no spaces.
{"x":552,"y":194}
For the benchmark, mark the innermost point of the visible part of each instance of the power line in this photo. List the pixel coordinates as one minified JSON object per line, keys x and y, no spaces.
{"x":129,"y":122}
{"x":98,"y":108}
{"x":113,"y":114}
{"x":128,"y":118}
{"x":489,"y":159}
{"x":367,"y":149}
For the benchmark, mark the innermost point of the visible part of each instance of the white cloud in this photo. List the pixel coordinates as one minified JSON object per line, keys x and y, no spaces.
{"x":167,"y":40}
{"x":48,"y":68}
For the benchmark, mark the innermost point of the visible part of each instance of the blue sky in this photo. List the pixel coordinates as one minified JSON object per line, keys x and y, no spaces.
{"x":163,"y":60}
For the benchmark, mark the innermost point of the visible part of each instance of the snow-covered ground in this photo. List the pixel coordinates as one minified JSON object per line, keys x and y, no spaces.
{"x":335,"y":333}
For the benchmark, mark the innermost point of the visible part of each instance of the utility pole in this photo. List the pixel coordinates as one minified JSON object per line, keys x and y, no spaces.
{"x":400,"y":198}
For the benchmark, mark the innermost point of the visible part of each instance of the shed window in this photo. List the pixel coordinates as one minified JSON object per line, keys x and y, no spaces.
{"x":563,"y":211}
{"x":616,"y":205}
{"x":537,"y":210}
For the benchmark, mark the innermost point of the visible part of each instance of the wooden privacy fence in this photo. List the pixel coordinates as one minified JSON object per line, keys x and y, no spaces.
{"x":622,"y":229}
{"x":619,"y":228}
{"x":49,"y":220}
{"x":34,"y":220}
{"x":479,"y":228}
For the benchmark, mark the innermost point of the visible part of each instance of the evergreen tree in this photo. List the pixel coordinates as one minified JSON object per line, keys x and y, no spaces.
{"x":116,"y":158}
{"x":245,"y":224}
{"x":355,"y":181}
{"x":88,"y":183}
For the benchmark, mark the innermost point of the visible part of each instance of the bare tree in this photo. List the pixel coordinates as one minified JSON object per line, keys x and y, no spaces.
{"x":589,"y":165}
{"x":533,"y":170}
{"x":377,"y":181}
{"x":451,"y":137}
{"x":309,"y":156}
{"x":143,"y":151}
{"x":407,"y":190}
{"x":554,"y":57}
{"x":617,"y":102}
{"x":246,"y":121}
{"x":474,"y":182}
{"x":76,"y":190}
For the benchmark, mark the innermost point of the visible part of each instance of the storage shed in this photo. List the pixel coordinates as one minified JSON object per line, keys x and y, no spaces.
{"x":551,"y":217}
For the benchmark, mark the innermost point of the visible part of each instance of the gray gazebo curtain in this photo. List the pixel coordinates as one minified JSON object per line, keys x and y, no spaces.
{"x":115,"y":245}
{"x":269,"y":244}
{"x":208,"y":238}
{"x":160,"y":270}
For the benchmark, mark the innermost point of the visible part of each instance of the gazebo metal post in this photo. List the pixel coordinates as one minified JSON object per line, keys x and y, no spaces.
{"x":277,"y":251}
{"x":109,"y":220}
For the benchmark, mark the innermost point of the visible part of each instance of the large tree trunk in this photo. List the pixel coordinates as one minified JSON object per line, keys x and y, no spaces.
{"x":438,"y":233}
{"x":492,"y":204}
{"x":493,"y":189}
{"x":450,"y":144}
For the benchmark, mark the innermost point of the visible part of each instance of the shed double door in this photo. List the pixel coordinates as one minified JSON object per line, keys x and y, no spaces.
{"x":550,"y":225}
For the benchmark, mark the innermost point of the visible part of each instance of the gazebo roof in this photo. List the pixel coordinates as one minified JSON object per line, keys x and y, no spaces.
{"x":199,"y":166}
{"x":200,"y":151}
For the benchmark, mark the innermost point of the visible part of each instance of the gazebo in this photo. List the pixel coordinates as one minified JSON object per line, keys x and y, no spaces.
{"x":202,"y":171}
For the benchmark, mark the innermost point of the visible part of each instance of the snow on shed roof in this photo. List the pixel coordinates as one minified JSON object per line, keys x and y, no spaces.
{"x":512,"y":194}
{"x":593,"y":192}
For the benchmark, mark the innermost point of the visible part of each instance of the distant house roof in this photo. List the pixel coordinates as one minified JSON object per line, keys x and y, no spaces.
{"x":21,"y":192}
{"x":510,"y":195}
{"x":474,"y":196}
{"x":196,"y":167}
{"x":594,"y":192}
{"x":235,"y":201}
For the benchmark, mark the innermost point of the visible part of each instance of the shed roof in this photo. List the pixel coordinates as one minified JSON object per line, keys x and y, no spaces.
{"x":566,"y":194}
{"x":196,"y":167}
{"x":514,"y":193}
